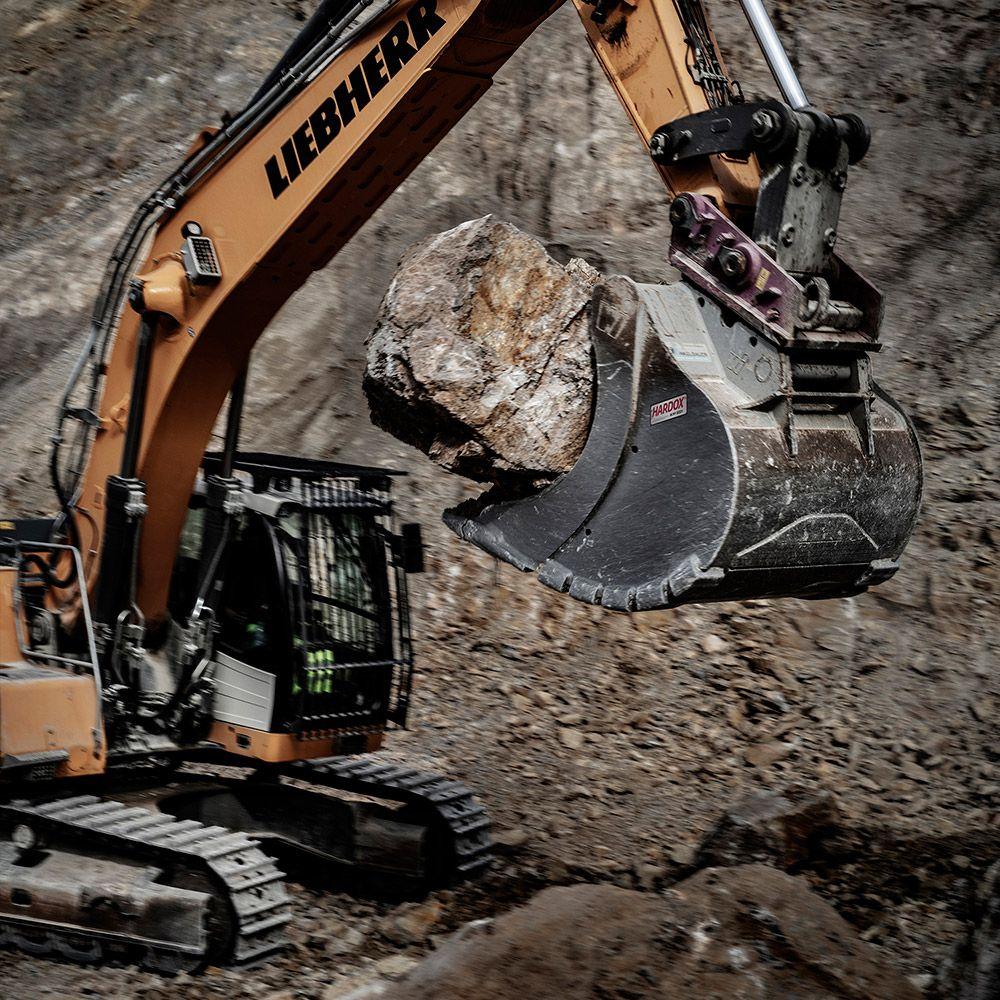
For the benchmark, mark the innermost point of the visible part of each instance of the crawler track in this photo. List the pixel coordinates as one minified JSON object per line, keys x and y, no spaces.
{"x":447,"y":806}
{"x":130,"y":882}
{"x":249,"y":904}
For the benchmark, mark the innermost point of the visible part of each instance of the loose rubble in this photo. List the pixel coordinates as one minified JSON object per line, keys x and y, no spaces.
{"x":972,"y":971}
{"x":782,"y":828}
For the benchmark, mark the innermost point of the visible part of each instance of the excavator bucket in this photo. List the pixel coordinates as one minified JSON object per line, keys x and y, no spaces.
{"x":724,"y":462}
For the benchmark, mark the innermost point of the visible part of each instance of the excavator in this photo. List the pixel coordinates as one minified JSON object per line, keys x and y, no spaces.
{"x":201,"y":651}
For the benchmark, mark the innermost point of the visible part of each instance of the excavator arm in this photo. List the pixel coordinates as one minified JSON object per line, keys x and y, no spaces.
{"x":277,"y":192}
{"x":758,"y":362}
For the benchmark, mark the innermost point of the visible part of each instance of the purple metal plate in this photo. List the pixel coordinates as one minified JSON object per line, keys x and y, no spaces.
{"x":765,"y":296}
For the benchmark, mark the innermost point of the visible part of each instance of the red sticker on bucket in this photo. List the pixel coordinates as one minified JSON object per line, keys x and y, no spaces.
{"x":668,"y":409}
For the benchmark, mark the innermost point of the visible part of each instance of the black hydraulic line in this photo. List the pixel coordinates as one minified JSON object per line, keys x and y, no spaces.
{"x":95,"y":346}
{"x":234,"y":420}
{"x":260,"y":110}
{"x":45,"y":569}
{"x":66,"y":518}
{"x":218,"y":521}
{"x":703,"y":58}
{"x":325,"y":15}
{"x":137,"y":404}
{"x":215,"y":538}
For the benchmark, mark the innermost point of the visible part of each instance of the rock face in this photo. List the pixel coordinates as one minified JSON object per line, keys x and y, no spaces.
{"x":481,"y":357}
{"x":743,"y":933}
{"x":972,"y":972}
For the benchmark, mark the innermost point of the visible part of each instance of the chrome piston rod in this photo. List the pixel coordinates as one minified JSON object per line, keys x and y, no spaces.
{"x":774,"y":52}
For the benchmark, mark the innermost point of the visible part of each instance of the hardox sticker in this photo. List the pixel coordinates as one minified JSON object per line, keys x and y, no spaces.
{"x":668,"y":409}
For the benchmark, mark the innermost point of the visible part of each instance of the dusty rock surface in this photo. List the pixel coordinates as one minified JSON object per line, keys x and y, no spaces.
{"x":972,"y":971}
{"x":604,"y":746}
{"x":480,"y":356}
{"x":725,"y":934}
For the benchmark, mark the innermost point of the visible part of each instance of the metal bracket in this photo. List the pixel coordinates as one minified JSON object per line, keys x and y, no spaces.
{"x":720,"y":259}
{"x":764,"y":127}
{"x":798,"y":204}
{"x":837,"y":310}
{"x":136,"y":507}
{"x":804,"y":156}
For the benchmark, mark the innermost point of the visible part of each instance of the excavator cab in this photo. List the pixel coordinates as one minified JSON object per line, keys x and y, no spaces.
{"x":307,"y":594}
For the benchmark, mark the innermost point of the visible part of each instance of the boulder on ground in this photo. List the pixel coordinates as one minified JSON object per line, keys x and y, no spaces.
{"x":782,"y":828}
{"x":480,"y":356}
{"x":744,"y":933}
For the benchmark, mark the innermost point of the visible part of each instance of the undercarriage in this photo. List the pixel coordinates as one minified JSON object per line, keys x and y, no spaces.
{"x":154,"y":790}
{"x":175,"y":876}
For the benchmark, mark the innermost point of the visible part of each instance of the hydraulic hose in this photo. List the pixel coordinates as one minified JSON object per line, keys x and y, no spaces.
{"x":51,"y":580}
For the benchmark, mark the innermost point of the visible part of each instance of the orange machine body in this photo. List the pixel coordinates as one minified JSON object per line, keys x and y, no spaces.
{"x":49,"y":711}
{"x":11,"y":618}
{"x":279,"y":748}
{"x":47,"y":714}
